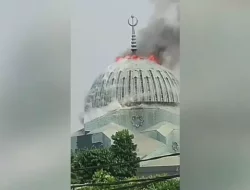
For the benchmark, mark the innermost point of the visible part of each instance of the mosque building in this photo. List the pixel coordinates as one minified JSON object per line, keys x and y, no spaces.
{"x":138,"y":94}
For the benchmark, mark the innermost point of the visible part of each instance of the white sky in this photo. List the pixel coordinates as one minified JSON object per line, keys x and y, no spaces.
{"x":99,"y":32}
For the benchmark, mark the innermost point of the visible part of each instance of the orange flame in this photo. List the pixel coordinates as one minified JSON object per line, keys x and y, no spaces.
{"x":135,"y":57}
{"x":154,"y":59}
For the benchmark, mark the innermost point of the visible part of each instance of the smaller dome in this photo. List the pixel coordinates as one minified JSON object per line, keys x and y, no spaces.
{"x":134,"y":82}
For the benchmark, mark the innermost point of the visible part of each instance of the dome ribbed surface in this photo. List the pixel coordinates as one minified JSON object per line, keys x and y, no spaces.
{"x":134,"y":82}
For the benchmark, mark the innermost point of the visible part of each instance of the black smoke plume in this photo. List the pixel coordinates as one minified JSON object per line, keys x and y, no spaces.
{"x":161,"y":37}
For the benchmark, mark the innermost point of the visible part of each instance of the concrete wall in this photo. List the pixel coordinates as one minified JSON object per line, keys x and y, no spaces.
{"x":151,"y":117}
{"x":147,"y":171}
{"x":73,"y":143}
{"x":84,"y":141}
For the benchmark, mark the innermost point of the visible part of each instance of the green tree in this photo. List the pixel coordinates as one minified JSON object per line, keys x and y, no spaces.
{"x":104,"y":177}
{"x":89,"y":158}
{"x":74,"y":177}
{"x":124,"y":150}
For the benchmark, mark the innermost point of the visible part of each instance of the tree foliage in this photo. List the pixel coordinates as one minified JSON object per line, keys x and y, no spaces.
{"x":88,"y":158}
{"x":105,"y":177}
{"x":74,"y":176}
{"x":122,"y":150}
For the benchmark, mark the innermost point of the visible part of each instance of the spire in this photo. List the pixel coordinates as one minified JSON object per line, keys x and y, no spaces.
{"x":133,"y":23}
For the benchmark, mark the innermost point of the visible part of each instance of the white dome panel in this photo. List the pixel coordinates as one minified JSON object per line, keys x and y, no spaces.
{"x":134,"y":82}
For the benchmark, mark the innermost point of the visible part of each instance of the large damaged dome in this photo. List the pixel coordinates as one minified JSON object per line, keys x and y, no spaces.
{"x":134,"y":81}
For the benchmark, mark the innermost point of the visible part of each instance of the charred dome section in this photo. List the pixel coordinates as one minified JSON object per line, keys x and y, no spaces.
{"x":134,"y":82}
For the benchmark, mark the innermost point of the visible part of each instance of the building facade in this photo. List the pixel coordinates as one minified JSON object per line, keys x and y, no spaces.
{"x":138,"y":94}
{"x":141,"y":96}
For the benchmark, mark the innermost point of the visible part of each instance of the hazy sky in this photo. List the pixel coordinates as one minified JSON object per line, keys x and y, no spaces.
{"x":99,"y":32}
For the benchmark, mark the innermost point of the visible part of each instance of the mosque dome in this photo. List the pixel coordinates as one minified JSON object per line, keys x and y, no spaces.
{"x":138,"y":94}
{"x":132,"y":82}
